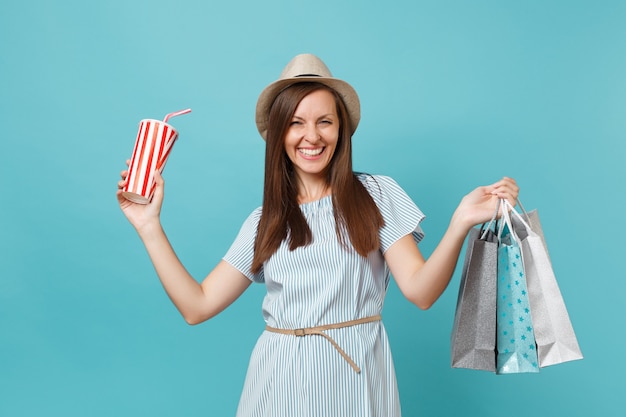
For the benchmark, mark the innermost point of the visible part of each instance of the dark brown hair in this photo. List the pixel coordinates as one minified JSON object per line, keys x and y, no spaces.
{"x":281,"y":218}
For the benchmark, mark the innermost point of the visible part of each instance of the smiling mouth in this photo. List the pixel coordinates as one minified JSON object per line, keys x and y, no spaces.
{"x":311,"y":152}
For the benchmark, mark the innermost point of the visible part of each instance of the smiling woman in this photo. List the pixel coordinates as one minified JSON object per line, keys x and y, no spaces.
{"x":302,"y":114}
{"x":323,"y":243}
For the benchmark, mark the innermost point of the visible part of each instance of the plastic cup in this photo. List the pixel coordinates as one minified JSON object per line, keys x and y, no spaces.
{"x":152,"y":148}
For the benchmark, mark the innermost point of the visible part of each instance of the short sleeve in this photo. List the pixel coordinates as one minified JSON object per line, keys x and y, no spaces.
{"x":241,"y":252}
{"x":401,"y":215}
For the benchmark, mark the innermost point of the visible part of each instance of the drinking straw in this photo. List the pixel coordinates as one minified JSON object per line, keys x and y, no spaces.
{"x":176,"y":113}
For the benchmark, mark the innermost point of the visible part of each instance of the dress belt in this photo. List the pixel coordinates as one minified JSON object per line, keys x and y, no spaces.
{"x":319,"y":330}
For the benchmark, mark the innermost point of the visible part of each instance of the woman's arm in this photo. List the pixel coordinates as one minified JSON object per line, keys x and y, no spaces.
{"x":423,"y":281}
{"x":196,"y":302}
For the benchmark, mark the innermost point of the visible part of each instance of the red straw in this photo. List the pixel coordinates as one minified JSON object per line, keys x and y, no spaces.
{"x":176,"y":113}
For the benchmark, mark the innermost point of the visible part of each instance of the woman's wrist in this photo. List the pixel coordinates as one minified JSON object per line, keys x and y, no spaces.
{"x":460,"y":225}
{"x":150,"y":229}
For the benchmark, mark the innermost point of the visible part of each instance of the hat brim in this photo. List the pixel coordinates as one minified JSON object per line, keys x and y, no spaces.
{"x":269,"y":94}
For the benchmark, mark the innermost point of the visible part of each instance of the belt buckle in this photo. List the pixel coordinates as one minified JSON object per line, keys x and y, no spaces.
{"x":299,"y":332}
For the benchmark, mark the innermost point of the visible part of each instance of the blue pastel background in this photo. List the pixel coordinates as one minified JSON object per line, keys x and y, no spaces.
{"x":454,"y":94}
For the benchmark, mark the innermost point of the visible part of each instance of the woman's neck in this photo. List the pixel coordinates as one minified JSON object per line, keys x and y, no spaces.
{"x":309,"y":191}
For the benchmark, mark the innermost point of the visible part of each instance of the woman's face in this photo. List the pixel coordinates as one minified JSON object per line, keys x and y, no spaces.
{"x":312,"y":135}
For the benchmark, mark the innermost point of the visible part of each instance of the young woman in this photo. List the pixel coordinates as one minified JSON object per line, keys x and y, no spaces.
{"x":324,"y":243}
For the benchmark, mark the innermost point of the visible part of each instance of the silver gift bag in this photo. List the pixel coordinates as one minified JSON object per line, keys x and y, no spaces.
{"x":473,"y":341}
{"x":556,"y":340}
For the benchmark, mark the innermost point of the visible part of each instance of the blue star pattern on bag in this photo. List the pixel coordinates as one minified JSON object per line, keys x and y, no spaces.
{"x":515,"y":338}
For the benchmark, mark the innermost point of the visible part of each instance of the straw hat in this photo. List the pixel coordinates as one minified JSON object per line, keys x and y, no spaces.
{"x":306,"y":68}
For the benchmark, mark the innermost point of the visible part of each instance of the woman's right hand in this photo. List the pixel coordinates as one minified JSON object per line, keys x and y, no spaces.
{"x":141,"y":215}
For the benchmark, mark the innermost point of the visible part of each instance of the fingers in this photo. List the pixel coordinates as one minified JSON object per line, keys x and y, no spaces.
{"x":158,"y":178}
{"x":122,"y":183}
{"x":508,"y":183}
{"x":506,"y":188}
{"x":158,"y":190}
{"x":124,"y":175}
{"x":157,"y":198}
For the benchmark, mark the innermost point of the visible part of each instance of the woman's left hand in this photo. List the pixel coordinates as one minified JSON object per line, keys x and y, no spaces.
{"x":479,"y":205}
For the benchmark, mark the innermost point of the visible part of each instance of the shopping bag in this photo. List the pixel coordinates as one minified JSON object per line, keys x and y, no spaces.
{"x":532,"y":220}
{"x":515,"y":339}
{"x":554,"y":333}
{"x":474,"y":330}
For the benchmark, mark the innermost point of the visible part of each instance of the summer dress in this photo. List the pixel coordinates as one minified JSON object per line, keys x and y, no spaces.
{"x":319,"y":284}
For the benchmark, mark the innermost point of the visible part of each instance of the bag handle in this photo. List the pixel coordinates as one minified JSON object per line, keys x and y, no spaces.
{"x":519,"y":203}
{"x":525,"y":222}
{"x":483,"y":229}
{"x":506,"y":220}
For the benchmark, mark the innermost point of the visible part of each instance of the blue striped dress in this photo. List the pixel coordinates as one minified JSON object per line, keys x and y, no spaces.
{"x":319,"y":284}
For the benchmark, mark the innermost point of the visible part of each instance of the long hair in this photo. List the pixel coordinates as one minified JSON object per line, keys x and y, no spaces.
{"x":355,"y":211}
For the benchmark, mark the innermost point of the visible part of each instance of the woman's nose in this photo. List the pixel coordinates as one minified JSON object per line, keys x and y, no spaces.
{"x":311,"y":134}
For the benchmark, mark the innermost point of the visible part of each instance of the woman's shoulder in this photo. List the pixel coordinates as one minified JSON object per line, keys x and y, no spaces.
{"x":378,"y":184}
{"x":254,"y":217}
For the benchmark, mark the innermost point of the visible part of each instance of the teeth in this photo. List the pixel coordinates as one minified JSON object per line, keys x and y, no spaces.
{"x":311,"y":152}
